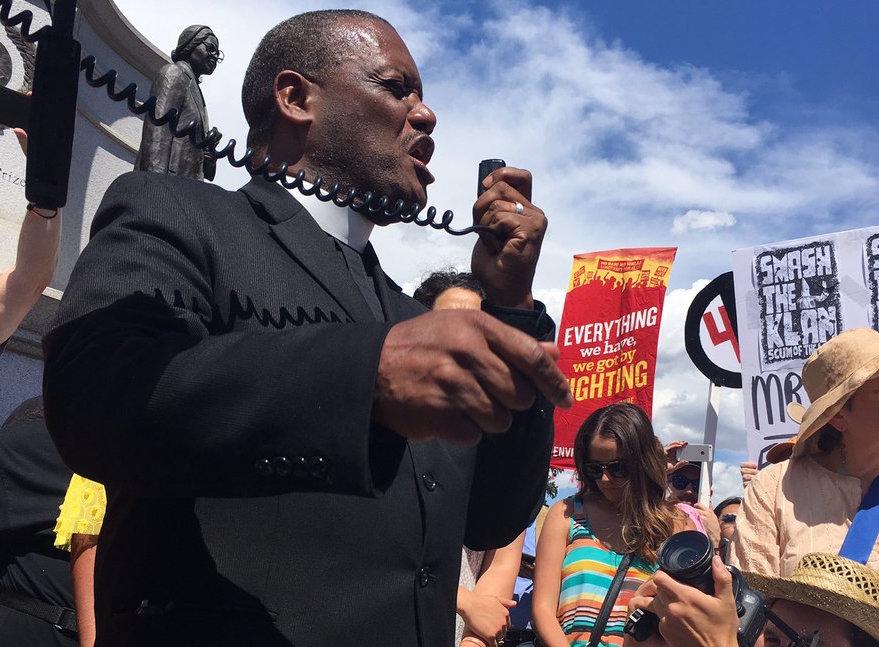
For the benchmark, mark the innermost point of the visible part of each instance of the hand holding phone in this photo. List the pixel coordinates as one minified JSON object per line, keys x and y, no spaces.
{"x":692,"y":453}
{"x":704,"y":455}
{"x":505,"y":256}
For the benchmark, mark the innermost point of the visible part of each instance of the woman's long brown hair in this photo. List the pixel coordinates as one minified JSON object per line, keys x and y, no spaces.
{"x":647,"y":518}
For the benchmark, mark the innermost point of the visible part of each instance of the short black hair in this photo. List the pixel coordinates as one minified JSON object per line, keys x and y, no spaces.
{"x":728,"y":501}
{"x":305,"y":43}
{"x":438,"y":282}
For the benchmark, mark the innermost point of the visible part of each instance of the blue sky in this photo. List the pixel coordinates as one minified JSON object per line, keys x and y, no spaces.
{"x":706,"y":125}
{"x":827,"y":51}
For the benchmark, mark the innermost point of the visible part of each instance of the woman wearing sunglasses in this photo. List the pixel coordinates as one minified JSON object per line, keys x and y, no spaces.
{"x":620,"y":508}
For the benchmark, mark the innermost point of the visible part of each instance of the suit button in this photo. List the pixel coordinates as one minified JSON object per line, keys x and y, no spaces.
{"x":424,"y":577}
{"x":282,"y":466}
{"x":429,"y":481}
{"x":300,"y":467}
{"x":263,"y":467}
{"x":317,"y":468}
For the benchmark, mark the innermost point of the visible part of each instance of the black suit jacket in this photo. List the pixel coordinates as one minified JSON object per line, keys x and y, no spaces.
{"x":214,"y":365}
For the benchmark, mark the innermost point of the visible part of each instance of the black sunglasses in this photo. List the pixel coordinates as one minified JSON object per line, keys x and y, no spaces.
{"x":729,"y":517}
{"x":680,"y":482}
{"x":614,"y":469}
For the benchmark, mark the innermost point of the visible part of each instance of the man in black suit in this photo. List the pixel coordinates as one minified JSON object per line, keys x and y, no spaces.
{"x":294,"y":451}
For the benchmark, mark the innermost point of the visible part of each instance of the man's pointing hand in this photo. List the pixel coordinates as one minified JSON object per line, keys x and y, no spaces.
{"x":457,"y":374}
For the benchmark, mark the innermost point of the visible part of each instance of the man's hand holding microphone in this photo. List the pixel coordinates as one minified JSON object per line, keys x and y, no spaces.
{"x":458,"y":374}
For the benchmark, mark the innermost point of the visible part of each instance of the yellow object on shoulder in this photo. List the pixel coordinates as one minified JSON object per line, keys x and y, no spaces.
{"x":82,"y":511}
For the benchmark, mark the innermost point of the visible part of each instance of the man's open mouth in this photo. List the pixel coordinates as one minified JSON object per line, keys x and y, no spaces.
{"x":421,"y":151}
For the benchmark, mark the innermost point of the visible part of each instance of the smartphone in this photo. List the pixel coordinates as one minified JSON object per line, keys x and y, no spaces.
{"x":703,"y":454}
{"x":15,"y":108}
{"x":696,"y":453}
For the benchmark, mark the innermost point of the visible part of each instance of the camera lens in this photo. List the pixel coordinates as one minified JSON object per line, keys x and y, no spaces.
{"x":686,"y":556}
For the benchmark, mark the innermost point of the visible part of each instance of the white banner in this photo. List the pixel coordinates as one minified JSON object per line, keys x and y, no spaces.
{"x":791,"y":297}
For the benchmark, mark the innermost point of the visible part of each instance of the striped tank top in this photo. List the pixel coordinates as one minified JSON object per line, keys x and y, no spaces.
{"x":587,"y":571}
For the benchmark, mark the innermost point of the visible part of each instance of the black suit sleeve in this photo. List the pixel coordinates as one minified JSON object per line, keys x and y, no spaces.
{"x":509,"y":482}
{"x":140,"y":393}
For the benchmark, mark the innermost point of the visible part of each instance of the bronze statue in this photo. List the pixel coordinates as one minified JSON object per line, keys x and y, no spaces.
{"x":176,"y":86}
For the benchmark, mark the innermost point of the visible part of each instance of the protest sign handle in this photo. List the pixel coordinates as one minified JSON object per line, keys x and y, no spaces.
{"x":712,"y":412}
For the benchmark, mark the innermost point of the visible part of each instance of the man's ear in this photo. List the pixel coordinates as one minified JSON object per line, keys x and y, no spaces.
{"x":840,"y":420}
{"x":294,"y":97}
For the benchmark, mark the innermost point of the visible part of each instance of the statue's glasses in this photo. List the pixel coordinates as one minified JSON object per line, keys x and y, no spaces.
{"x":214,"y":51}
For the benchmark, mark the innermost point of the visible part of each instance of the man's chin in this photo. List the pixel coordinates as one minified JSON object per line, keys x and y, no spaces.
{"x":416,"y":195}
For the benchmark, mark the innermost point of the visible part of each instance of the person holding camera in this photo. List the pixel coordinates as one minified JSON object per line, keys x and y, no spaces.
{"x":599,"y":546}
{"x":828,"y":601}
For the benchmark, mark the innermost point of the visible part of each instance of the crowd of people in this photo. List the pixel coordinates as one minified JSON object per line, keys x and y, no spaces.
{"x":273,"y":445}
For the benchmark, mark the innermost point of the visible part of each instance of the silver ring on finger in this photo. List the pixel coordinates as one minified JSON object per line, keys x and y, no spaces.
{"x":520,"y":209}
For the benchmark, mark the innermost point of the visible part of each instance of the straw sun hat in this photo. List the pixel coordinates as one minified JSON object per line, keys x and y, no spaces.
{"x":840,"y":586}
{"x":831,"y":374}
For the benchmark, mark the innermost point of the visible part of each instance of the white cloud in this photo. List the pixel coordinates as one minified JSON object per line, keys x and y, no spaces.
{"x":695,"y":220}
{"x":727,"y":481}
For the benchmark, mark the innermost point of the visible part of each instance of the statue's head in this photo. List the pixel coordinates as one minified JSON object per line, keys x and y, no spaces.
{"x":199,"y":47}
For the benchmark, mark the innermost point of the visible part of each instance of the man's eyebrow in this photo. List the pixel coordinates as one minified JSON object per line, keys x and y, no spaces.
{"x":410,"y":80}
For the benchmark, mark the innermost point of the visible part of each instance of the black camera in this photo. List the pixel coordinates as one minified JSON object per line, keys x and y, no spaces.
{"x":686,"y":556}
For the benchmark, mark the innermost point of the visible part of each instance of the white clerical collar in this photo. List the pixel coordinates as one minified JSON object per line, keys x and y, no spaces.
{"x":343,"y":224}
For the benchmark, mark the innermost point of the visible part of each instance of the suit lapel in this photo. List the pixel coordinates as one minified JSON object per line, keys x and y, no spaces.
{"x":297,"y":232}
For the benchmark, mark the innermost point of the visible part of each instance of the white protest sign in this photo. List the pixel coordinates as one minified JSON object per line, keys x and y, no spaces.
{"x":791,"y":297}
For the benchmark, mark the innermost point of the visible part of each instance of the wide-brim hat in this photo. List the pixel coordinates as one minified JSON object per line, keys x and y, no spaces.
{"x":838,"y":368}
{"x":840,"y":586}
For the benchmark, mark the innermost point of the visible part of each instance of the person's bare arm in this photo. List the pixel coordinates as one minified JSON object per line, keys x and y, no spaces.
{"x":23,"y":283}
{"x":497,"y":580}
{"x":500,"y":568}
{"x":711,"y":523}
{"x":485,"y":616}
{"x":82,"y":570}
{"x":548,"y":577}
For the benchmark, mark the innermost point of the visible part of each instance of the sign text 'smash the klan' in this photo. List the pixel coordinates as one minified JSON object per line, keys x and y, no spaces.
{"x":791,"y":297}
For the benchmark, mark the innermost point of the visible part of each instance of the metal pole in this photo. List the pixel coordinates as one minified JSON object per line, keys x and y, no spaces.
{"x":712,"y":413}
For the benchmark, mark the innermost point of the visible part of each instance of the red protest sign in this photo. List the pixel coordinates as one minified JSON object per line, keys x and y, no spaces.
{"x":609,"y":334}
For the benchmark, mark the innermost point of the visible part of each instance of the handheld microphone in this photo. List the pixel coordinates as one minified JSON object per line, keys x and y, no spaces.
{"x":486,"y":168}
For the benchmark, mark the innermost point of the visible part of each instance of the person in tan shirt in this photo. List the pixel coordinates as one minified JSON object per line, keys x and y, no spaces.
{"x":806,"y":504}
